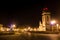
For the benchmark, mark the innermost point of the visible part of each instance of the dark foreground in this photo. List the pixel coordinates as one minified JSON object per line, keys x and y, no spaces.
{"x":30,"y":36}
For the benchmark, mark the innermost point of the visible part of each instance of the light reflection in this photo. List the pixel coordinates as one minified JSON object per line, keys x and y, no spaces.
{"x":29,"y":34}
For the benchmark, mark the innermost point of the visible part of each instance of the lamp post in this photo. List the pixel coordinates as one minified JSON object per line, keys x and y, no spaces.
{"x":12,"y":27}
{"x":57,"y":26}
{"x":53,"y":23}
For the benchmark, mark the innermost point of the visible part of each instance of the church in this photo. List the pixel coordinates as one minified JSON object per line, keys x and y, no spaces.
{"x":46,"y":18}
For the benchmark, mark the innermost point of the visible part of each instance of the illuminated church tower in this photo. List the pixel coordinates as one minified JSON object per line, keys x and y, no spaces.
{"x":45,"y":20}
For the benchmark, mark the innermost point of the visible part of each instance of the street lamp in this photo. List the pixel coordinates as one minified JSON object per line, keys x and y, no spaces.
{"x":53,"y":22}
{"x":12,"y":27}
{"x":57,"y":26}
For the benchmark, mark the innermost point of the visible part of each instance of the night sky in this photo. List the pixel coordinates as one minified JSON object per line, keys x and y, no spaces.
{"x":27,"y":12}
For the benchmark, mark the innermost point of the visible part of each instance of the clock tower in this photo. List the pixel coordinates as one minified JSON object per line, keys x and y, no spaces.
{"x":46,"y":18}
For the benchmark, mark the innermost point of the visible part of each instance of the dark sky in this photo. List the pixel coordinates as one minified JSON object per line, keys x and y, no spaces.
{"x":27,"y":12}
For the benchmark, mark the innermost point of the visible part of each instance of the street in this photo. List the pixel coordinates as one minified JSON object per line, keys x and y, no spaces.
{"x":30,"y":36}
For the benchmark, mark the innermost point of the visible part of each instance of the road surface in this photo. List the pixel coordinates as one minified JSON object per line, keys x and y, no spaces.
{"x":30,"y":36}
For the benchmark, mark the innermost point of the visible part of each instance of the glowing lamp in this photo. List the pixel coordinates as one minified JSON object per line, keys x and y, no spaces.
{"x":53,"y":22}
{"x":13,"y":26}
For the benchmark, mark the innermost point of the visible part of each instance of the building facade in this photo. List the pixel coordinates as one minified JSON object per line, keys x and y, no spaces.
{"x":45,"y":20}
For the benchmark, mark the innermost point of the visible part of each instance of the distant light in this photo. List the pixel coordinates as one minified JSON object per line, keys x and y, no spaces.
{"x":2,"y":29}
{"x":29,"y":28}
{"x":16,"y":29}
{"x":53,"y":22}
{"x":13,"y":25}
{"x":57,"y":25}
{"x":8,"y":29}
{"x":35,"y":29}
{"x":25,"y":29}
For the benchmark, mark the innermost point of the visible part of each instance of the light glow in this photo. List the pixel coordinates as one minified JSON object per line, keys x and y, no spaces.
{"x":13,"y":25}
{"x":53,"y":22}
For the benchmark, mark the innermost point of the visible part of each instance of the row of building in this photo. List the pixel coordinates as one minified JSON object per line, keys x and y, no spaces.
{"x":47,"y":23}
